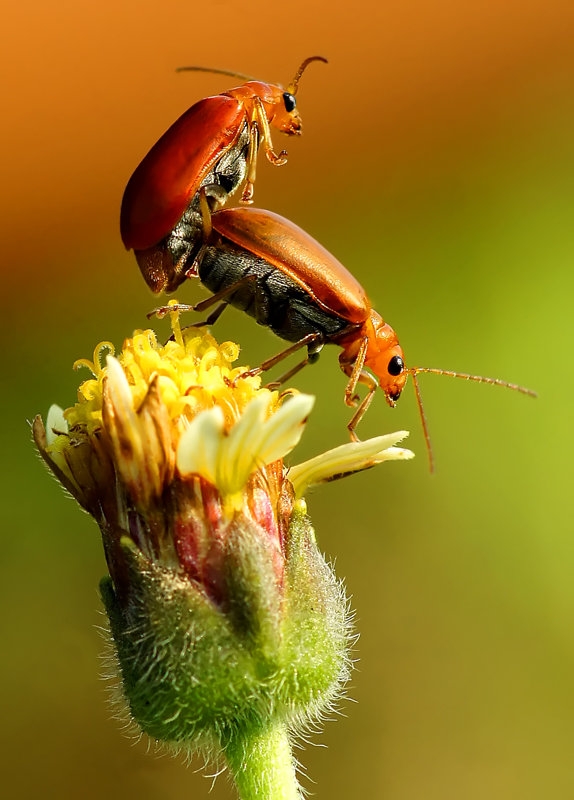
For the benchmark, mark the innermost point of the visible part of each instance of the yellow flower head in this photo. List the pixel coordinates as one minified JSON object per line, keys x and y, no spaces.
{"x":167,"y":444}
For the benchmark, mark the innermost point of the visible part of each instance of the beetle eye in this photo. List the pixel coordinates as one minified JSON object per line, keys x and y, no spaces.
{"x":396,"y":365}
{"x":290,"y":102}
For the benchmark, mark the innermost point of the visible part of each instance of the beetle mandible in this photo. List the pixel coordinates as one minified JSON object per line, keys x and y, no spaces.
{"x":267,"y":266}
{"x":196,"y":166}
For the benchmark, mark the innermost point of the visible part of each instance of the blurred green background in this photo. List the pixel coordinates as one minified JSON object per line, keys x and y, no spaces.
{"x":437,"y":163}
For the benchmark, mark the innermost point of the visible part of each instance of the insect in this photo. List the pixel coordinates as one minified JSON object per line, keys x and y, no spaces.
{"x":196,"y":166}
{"x":267,"y":266}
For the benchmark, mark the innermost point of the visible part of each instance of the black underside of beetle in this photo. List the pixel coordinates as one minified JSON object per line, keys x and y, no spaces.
{"x":267,"y":294}
{"x":219,"y":185}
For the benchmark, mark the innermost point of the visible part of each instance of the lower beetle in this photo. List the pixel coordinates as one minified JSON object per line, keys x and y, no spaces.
{"x":265,"y":265}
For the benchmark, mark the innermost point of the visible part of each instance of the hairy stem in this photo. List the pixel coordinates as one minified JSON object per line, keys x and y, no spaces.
{"x":262,"y":765}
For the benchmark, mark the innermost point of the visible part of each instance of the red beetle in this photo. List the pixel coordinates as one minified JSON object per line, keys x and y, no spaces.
{"x":273,"y":270}
{"x":196,"y":166}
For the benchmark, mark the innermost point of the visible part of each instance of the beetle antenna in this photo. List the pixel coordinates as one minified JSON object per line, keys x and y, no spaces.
{"x":217,"y":71}
{"x":476,"y":378}
{"x":292,"y":88}
{"x":414,"y":371}
{"x":424,"y":423}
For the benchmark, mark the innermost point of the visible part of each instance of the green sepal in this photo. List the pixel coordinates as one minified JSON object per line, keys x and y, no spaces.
{"x":316,"y":630}
{"x":200,"y":673}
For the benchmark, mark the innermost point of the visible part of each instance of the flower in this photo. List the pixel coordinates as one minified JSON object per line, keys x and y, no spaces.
{"x":226,"y":620}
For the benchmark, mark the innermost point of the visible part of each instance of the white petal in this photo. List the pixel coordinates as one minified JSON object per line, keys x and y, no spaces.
{"x":55,"y":424}
{"x":239,"y":453}
{"x":200,"y":444}
{"x":397,"y":454}
{"x":227,"y":461}
{"x":119,"y":389}
{"x":255,"y":441}
{"x":348,"y":458}
{"x":284,"y":429}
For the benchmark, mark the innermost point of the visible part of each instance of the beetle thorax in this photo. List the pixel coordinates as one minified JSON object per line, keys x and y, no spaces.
{"x":266,"y":92}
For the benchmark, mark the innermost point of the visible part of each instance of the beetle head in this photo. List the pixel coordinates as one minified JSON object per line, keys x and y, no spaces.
{"x":385,"y":358}
{"x":280,"y":106}
{"x":286,"y":116}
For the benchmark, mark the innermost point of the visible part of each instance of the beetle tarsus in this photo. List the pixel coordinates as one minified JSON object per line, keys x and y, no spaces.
{"x":163,"y":311}
{"x":278,"y":160}
{"x":361,"y":410}
{"x":247,"y":196}
{"x":249,"y":373}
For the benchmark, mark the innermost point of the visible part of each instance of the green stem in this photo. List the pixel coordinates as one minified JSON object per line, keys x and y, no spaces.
{"x":262,"y":765}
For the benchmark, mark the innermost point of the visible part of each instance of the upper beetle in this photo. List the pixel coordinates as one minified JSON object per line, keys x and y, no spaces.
{"x":277,"y":273}
{"x":196,"y":166}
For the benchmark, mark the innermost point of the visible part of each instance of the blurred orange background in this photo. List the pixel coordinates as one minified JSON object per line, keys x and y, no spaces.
{"x":437,"y":164}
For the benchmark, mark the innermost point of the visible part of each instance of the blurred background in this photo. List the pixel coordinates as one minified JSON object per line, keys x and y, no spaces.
{"x":437,"y":164}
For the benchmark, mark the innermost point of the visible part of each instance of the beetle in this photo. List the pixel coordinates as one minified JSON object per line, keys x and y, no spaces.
{"x":268,"y":267}
{"x":196,"y":166}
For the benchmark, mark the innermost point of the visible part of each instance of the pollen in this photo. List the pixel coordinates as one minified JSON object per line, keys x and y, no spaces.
{"x":191,"y":371}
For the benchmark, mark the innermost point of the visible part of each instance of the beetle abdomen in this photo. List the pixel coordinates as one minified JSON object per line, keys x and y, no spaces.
{"x":271,"y":297}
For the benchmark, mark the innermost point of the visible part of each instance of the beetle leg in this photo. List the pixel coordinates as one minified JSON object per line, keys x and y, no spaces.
{"x":212,"y":318}
{"x":162,"y":311}
{"x":311,"y":358}
{"x":355,"y":374}
{"x":313,"y":342}
{"x":205,"y":211}
{"x":272,"y":385}
{"x":261,"y":117}
{"x":247,"y":196}
{"x":260,"y":134}
{"x":370,"y":382}
{"x":206,"y":227}
{"x":180,"y":269}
